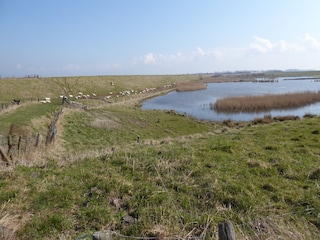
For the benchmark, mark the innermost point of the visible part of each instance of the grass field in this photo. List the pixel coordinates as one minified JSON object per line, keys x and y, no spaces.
{"x":156,"y":173}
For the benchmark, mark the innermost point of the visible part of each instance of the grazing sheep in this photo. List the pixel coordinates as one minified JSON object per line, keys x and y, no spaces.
{"x":16,"y":101}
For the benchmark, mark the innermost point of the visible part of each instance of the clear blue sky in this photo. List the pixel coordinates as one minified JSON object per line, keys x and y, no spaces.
{"x":124,"y":37}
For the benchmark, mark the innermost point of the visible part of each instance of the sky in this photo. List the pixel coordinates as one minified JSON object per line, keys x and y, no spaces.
{"x":136,"y":37}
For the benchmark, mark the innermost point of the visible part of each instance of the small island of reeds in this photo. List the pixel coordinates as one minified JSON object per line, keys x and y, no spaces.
{"x":265,"y":102}
{"x":191,"y":86}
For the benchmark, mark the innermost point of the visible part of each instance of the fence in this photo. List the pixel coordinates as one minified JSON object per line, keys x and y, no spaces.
{"x":20,"y":142}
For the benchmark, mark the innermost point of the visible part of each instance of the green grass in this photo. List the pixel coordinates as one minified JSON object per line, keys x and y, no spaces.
{"x":257,"y":172}
{"x":31,"y":89}
{"x":98,"y":129}
{"x":181,"y":179}
{"x":24,"y":114}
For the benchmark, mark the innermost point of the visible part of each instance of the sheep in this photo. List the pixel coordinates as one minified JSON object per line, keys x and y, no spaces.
{"x":16,"y":101}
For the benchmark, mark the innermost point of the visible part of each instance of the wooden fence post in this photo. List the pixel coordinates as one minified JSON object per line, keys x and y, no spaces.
{"x":10,"y":144}
{"x":37,"y":140}
{"x":19,"y":144}
{"x":52,"y":129}
{"x":225,"y":231}
{"x":5,"y":157}
{"x":26,"y":145}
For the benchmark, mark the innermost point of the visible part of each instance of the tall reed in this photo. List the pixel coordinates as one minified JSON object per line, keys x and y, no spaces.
{"x":265,"y":102}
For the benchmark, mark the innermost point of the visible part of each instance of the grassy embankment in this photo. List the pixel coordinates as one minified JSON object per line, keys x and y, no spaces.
{"x":180,"y":180}
{"x":30,"y":90}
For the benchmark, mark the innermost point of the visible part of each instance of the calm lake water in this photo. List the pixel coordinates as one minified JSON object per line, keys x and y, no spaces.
{"x":197,"y":103}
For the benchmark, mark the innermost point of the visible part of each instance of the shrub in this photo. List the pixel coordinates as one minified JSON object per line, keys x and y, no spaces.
{"x":266,"y":119}
{"x":309,"y":115}
{"x":315,"y":174}
{"x":286,"y":118}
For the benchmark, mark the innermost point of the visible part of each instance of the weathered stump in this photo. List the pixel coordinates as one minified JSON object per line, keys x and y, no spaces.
{"x":225,"y":231}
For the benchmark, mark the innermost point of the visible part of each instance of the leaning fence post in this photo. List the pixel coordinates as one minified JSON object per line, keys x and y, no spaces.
{"x":4,"y":156}
{"x":225,"y":231}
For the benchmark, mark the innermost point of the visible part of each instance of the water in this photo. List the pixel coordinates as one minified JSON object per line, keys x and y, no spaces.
{"x":197,"y":103}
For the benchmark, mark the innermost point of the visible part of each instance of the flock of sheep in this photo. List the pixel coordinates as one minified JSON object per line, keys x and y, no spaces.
{"x":81,"y":95}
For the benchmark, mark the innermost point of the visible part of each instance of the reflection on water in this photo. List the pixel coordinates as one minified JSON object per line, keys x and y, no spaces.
{"x":197,"y":103}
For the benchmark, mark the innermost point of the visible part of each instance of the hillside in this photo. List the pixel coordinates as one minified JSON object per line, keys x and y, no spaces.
{"x":155,"y":174}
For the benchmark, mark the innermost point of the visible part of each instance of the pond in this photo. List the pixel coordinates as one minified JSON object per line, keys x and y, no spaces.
{"x":197,"y":103}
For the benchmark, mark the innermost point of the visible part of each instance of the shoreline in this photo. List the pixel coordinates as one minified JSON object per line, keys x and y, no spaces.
{"x":202,"y":82}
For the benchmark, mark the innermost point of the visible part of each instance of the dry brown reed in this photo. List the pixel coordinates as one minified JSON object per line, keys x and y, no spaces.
{"x":265,"y":102}
{"x":191,"y":86}
{"x":264,"y":120}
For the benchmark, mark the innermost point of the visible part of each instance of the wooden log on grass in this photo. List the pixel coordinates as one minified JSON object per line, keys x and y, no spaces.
{"x":225,"y":231}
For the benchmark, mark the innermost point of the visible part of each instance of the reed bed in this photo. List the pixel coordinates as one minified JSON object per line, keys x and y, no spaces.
{"x":265,"y":102}
{"x":191,"y":86}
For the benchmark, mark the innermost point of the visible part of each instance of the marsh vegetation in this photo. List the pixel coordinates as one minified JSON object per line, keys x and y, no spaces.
{"x":265,"y":102}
